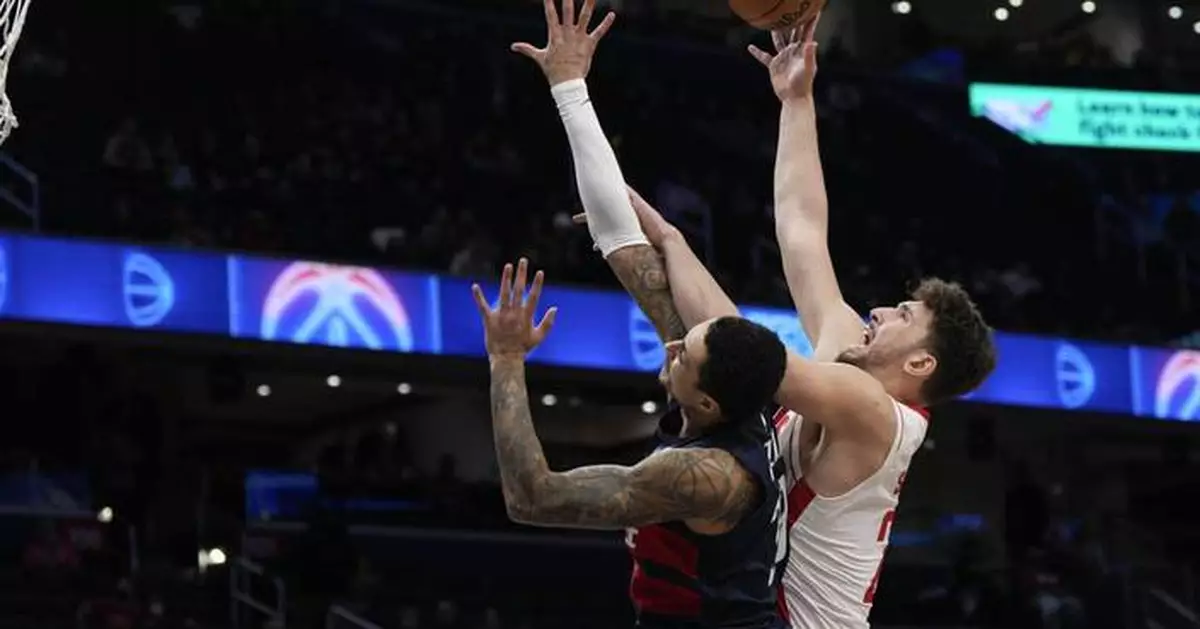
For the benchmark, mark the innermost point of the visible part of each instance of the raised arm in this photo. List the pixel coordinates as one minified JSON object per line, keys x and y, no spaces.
{"x":565,"y":60}
{"x":801,"y":205}
{"x":695,"y":292}
{"x":694,"y":484}
{"x":837,"y":396}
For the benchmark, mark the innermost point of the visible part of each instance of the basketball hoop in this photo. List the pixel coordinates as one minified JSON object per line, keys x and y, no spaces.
{"x":12,"y":20}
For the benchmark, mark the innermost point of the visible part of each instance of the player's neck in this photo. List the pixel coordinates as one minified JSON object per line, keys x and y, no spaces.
{"x":899,"y":386}
{"x":696,"y":423}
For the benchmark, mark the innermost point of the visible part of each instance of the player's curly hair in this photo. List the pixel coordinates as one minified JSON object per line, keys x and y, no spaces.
{"x":959,"y":339}
{"x":744,"y":367}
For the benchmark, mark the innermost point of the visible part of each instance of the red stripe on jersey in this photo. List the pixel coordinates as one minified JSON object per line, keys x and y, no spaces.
{"x":661,"y":597}
{"x":798,"y":499}
{"x":779,"y":418}
{"x":662,"y":546}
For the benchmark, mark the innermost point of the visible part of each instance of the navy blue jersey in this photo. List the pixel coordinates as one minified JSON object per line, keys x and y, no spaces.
{"x":685,"y":580}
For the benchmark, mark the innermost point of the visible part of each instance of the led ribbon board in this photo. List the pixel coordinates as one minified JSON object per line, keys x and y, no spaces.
{"x":121,"y":286}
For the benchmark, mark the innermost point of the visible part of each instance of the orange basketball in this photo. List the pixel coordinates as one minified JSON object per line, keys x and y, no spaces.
{"x":772,"y":14}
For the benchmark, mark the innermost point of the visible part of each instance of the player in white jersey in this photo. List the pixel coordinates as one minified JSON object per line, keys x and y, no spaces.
{"x":850,"y":448}
{"x":837,"y":543}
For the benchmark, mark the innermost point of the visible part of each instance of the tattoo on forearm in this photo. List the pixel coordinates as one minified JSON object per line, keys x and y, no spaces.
{"x":519,"y":454}
{"x":670,"y":485}
{"x":643,"y":273}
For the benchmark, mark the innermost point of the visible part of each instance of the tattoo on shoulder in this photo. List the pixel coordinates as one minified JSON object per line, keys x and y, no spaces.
{"x":711,"y":481}
{"x":643,"y":272}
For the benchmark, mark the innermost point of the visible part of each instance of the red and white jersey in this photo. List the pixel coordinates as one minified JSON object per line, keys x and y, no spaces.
{"x":838,"y":543}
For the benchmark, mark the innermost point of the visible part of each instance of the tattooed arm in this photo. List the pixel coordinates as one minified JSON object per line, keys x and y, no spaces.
{"x":643,"y":272}
{"x":695,"y":484}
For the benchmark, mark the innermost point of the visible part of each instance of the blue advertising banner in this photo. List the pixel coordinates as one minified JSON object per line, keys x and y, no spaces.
{"x":133,"y":287}
{"x":112,"y":285}
{"x":328,"y":304}
{"x":1059,"y":373}
{"x":1166,"y":383}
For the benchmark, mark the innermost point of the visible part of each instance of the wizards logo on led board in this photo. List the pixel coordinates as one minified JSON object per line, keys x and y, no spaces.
{"x":1177,"y":392}
{"x":339,"y":306}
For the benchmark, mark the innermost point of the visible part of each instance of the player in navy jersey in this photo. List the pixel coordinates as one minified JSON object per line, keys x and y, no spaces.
{"x":704,"y":514}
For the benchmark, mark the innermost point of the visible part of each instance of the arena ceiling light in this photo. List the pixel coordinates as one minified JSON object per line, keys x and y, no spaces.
{"x":903,"y":7}
{"x":263,"y":390}
{"x":1196,"y":27}
{"x":1174,"y":12}
{"x":1088,"y":6}
{"x":1016,"y":4}
{"x":404,"y":388}
{"x":1000,"y":14}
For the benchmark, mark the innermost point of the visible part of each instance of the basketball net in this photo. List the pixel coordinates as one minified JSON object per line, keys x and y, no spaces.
{"x":12,"y":20}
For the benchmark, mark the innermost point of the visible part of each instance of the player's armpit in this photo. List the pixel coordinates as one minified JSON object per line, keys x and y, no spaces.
{"x":643,"y":273}
{"x":671,"y":485}
{"x":837,"y":396}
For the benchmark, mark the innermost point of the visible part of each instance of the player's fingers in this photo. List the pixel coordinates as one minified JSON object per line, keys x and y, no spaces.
{"x":780,"y":38}
{"x":579,"y":219}
{"x":535,"y":292}
{"x":811,"y":31}
{"x":529,"y":50}
{"x":585,"y":15}
{"x":552,"y":21}
{"x":506,"y":286}
{"x":480,"y":301}
{"x":810,"y":56}
{"x":568,"y":13}
{"x":519,"y":285}
{"x":634,"y":197}
{"x":758,"y":53}
{"x":602,"y":28}
{"x":547,"y":323}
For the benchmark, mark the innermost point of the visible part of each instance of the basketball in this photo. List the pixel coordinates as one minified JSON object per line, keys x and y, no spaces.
{"x":772,"y":14}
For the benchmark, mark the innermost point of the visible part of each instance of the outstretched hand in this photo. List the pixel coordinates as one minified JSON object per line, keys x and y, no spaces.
{"x":569,"y":47}
{"x":793,"y":67}
{"x":509,"y":330}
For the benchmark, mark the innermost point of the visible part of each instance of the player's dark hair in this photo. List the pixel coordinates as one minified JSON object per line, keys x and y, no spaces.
{"x":744,"y":367}
{"x":959,"y":339}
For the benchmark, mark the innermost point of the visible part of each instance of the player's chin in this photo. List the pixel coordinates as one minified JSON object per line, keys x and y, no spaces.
{"x":853,"y":355}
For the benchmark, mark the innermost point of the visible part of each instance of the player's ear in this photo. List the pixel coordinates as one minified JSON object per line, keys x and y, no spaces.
{"x":920,"y":364}
{"x":709,"y":405}
{"x":673,"y":349}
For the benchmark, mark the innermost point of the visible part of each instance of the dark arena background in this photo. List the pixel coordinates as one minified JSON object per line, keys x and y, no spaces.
{"x":203,"y":434}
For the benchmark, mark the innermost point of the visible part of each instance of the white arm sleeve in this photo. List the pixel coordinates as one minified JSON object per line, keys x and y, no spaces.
{"x":611,"y":219}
